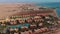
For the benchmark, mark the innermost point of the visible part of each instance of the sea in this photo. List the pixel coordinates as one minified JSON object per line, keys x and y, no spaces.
{"x":53,"y":4}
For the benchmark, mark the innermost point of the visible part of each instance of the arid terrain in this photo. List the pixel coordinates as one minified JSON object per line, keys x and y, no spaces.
{"x":9,"y":9}
{"x":5,"y":8}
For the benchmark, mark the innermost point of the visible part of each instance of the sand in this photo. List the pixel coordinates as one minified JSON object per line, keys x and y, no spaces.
{"x":10,"y":9}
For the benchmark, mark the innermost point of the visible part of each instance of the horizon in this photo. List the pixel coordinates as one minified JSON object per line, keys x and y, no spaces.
{"x":28,"y":1}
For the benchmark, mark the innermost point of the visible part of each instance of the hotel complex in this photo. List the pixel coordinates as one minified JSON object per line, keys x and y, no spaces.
{"x":27,"y":19}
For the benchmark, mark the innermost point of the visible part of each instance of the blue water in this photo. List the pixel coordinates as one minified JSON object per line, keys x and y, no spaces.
{"x":54,"y":4}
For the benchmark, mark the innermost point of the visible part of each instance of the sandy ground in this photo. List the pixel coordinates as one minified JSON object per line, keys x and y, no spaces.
{"x":58,"y":32}
{"x":9,"y":9}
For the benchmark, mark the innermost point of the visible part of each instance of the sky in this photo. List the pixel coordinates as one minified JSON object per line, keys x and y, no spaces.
{"x":27,"y":1}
